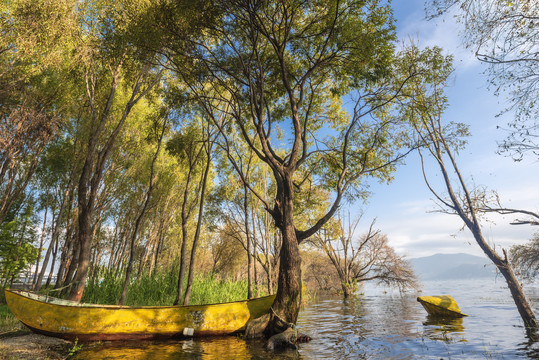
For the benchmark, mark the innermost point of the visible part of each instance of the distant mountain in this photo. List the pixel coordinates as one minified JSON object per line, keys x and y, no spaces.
{"x":453,"y":266}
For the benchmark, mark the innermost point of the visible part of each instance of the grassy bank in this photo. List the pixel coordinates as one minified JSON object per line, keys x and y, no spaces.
{"x":8,"y":322}
{"x":160,"y":289}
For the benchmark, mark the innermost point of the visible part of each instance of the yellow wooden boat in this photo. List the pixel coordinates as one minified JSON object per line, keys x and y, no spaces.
{"x":441,"y":306}
{"x":71,"y":320}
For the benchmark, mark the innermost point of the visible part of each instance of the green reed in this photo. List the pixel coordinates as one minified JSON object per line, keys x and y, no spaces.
{"x":160,"y":288}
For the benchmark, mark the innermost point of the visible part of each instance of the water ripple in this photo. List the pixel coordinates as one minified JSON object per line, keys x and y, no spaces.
{"x":379,"y":325}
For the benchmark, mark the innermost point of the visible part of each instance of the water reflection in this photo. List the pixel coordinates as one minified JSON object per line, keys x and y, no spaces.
{"x":377,"y":325}
{"x":449,"y":330}
{"x":222,"y":348}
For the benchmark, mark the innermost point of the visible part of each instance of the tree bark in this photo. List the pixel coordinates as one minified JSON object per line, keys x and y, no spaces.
{"x":286,"y":306}
{"x":523,"y":306}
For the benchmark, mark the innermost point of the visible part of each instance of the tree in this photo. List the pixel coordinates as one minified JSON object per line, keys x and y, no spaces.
{"x":187,"y":146}
{"x":365,"y":259}
{"x":116,"y":78}
{"x":505,"y":36}
{"x":34,"y":90}
{"x":442,"y":142}
{"x":17,"y":235}
{"x":288,"y":64}
{"x":140,"y":218}
{"x":209,"y":136}
{"x":525,"y":258}
{"x":56,"y":174}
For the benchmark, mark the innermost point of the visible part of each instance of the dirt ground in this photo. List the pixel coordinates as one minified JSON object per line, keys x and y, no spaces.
{"x":34,"y":347}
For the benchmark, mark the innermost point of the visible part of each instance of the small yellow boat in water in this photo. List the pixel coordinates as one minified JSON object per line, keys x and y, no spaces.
{"x":441,"y":306}
{"x":72,"y":320}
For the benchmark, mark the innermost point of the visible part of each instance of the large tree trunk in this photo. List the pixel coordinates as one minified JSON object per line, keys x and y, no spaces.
{"x":288,"y":300}
{"x":285,"y":308}
{"x":85,"y":246}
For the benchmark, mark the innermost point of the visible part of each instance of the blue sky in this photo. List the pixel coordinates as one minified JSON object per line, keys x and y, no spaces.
{"x":404,"y":208}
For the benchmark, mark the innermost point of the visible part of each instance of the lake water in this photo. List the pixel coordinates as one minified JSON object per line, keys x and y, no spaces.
{"x":380,"y":324}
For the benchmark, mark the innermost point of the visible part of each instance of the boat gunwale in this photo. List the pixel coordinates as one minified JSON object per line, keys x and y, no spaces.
{"x":121,"y":307}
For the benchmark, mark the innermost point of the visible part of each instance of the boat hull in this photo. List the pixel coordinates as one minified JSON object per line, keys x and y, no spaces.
{"x":441,"y":306}
{"x":70,"y":320}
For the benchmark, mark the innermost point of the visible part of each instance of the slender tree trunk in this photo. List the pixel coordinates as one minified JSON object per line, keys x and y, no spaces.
{"x":255,"y":257}
{"x":73,"y":262}
{"x":183,"y":250}
{"x":39,"y":280}
{"x":248,"y":239}
{"x":41,"y":244}
{"x":464,"y":206}
{"x":185,"y":214}
{"x":68,"y":242}
{"x":523,"y":306}
{"x":140,"y":218}
{"x":113,"y":247}
{"x":64,"y":259}
{"x":199,"y":226}
{"x":54,"y":252}
{"x":160,"y":238}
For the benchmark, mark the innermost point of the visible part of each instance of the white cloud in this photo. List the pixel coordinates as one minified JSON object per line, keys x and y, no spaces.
{"x":419,"y":233}
{"x":442,"y":32}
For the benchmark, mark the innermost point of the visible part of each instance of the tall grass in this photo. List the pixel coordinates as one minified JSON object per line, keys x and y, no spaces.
{"x":8,"y":321}
{"x":161,"y":288}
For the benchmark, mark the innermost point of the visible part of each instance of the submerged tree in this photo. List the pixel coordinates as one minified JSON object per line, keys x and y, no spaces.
{"x":367,"y":258}
{"x":442,"y":142}
{"x":267,"y":69}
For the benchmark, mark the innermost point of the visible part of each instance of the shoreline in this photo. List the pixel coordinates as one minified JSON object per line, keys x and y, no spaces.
{"x":25,"y":345}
